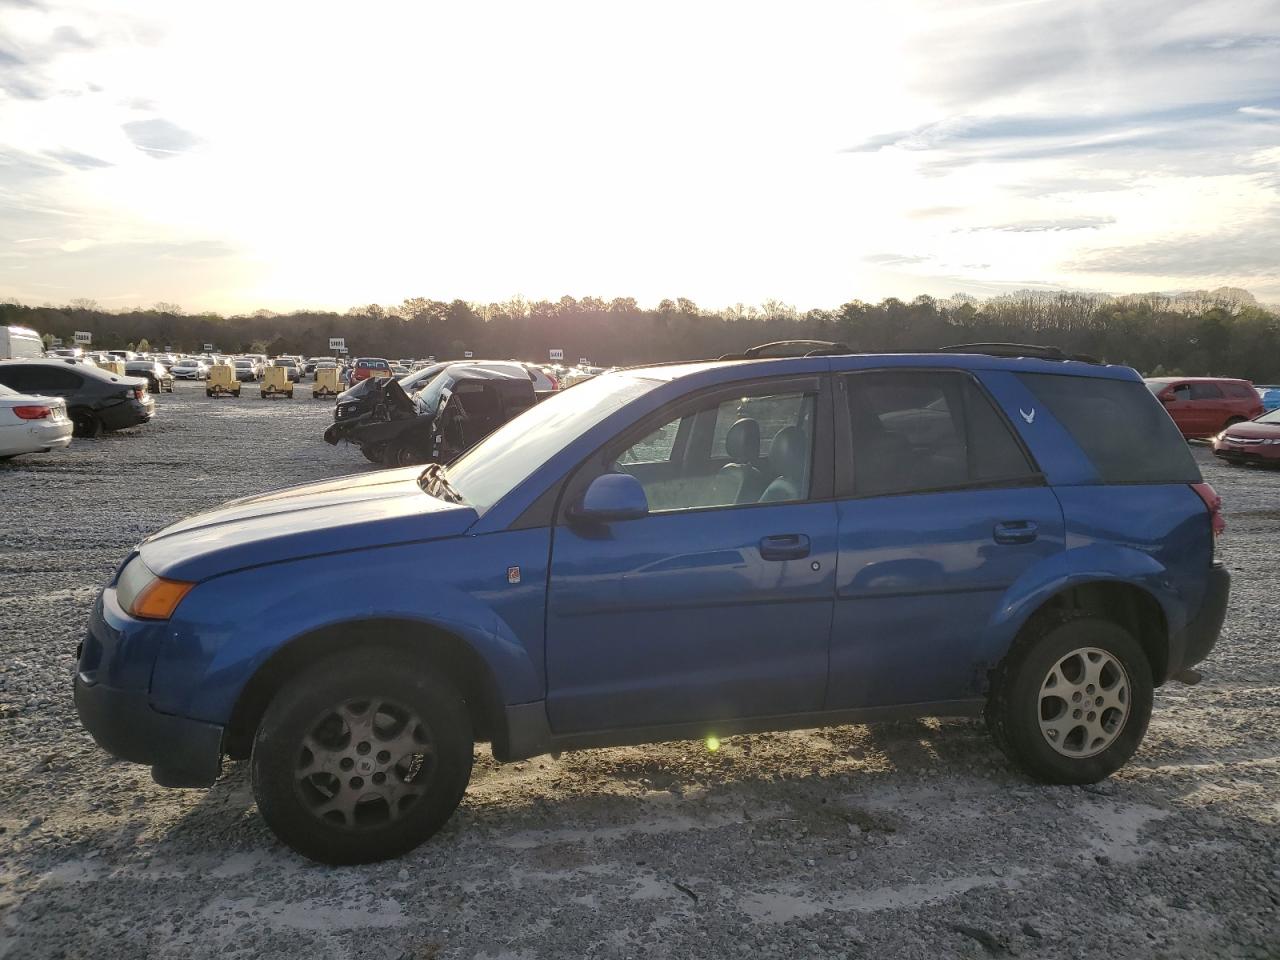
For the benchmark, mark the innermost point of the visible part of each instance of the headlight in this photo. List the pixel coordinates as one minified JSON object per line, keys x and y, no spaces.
{"x":144,"y":595}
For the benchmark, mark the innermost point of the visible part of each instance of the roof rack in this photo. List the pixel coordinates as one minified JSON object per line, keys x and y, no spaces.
{"x":790,"y":348}
{"x":1017,"y":350}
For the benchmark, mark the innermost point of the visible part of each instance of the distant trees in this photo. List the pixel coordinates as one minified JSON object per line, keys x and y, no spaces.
{"x":1220,"y":332}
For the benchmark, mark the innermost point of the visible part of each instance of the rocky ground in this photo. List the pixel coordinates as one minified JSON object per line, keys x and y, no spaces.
{"x":909,"y":840}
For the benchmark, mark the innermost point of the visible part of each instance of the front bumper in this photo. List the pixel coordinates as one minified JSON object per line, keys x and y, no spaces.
{"x":181,"y":752}
{"x":1238,"y":452}
{"x":1193,"y":643}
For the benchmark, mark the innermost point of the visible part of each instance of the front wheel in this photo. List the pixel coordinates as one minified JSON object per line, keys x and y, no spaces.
{"x":403,"y":454}
{"x":372,"y":452}
{"x":1071,"y":701}
{"x":361,"y":758}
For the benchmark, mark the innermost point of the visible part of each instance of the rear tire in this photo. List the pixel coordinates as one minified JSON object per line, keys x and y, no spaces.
{"x":1071,"y":701}
{"x":373,"y":453}
{"x":389,"y":747}
{"x":85,"y":423}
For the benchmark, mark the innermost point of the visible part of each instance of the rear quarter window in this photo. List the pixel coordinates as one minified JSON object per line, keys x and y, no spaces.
{"x":1119,"y":425}
{"x":1240,"y":391}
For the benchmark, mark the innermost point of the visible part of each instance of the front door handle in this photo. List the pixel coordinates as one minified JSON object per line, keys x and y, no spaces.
{"x":1015,"y":531}
{"x":786,"y":546}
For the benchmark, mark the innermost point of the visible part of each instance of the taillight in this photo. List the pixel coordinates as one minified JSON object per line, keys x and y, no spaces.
{"x":33,"y":413}
{"x":1212,"y":503}
{"x":555,"y":384}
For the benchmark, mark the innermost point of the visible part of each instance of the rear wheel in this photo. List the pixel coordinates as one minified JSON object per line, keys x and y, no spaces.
{"x":373,"y":452}
{"x":361,"y":758}
{"x":85,"y":423}
{"x":1071,"y":702}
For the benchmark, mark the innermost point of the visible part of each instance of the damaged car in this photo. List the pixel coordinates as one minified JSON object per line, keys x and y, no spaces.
{"x":456,"y":410}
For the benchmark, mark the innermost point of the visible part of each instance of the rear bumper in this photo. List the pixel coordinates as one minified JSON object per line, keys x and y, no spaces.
{"x":1194,"y":642}
{"x":181,"y":752}
{"x":130,"y":413}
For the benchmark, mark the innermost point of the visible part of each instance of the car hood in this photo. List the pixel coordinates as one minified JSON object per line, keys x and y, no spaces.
{"x":347,"y":513}
{"x":1254,"y":431}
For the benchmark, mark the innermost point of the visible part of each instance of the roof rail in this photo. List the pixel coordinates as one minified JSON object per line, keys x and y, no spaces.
{"x":790,"y":348}
{"x":1017,"y":350}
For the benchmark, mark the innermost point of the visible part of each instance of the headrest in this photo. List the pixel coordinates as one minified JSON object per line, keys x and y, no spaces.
{"x":742,"y":442}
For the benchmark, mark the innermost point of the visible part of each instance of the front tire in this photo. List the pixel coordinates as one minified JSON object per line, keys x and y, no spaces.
{"x":402,"y":454}
{"x":1071,"y":702}
{"x":361,"y":758}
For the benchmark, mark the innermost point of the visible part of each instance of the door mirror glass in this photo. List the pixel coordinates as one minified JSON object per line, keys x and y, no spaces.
{"x":612,"y":497}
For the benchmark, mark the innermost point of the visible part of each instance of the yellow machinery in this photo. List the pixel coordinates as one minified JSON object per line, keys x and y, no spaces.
{"x":327,"y":383}
{"x":222,"y":381}
{"x":276,"y":383}
{"x":113,"y":366}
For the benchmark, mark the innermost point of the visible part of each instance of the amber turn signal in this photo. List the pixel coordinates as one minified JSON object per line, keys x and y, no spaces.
{"x":158,"y":599}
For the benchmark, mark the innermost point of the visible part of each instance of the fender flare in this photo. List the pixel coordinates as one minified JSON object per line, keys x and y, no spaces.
{"x":1096,"y":563}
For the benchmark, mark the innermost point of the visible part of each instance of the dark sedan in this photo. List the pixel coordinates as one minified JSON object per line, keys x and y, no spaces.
{"x":155,"y":373}
{"x":96,"y":399}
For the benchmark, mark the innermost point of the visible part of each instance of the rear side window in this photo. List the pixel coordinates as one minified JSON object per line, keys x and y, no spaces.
{"x":914,"y":431}
{"x":1120,"y":426}
{"x":1205,"y":391}
{"x":1239,"y":390}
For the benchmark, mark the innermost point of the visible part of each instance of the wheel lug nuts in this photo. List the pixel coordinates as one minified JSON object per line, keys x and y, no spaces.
{"x":346,"y":763}
{"x":1098,"y":702}
{"x":1075,"y":697}
{"x":362,"y":748}
{"x":384,"y":756}
{"x":1089,"y":689}
{"x":1092,"y":716}
{"x":379,"y":778}
{"x":357,"y":783}
{"x":1076,"y":714}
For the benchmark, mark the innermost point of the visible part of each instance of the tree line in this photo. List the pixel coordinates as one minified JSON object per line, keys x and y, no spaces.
{"x":1223,"y":332}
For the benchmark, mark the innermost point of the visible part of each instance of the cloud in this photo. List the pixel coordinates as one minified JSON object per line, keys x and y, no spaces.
{"x":81,"y":161}
{"x":894,"y":259}
{"x":1244,"y":251}
{"x":159,"y":138}
{"x":1051,"y":226}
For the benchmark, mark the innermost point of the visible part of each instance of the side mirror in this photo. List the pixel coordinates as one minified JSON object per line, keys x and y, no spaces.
{"x":612,"y":497}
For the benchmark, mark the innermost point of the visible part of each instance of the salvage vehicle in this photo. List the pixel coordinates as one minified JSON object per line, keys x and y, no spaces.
{"x":222,"y":381}
{"x":676,"y":552}
{"x":458,"y":408}
{"x":1204,"y":406}
{"x":1253,"y":441}
{"x":96,"y":399}
{"x":32,"y":424}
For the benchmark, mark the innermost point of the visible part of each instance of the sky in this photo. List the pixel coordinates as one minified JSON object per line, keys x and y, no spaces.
{"x":233,"y":156}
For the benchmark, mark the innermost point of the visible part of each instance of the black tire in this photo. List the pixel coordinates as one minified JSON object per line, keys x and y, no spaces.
{"x":401,"y":453}
{"x":1013,"y":711}
{"x":373,"y":452}
{"x":85,"y":423}
{"x":310,"y":702}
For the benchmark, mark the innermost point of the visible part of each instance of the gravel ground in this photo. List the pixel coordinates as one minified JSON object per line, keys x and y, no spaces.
{"x":907,"y":840}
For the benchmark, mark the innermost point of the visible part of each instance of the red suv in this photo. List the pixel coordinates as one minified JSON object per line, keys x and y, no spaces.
{"x":1205,"y":406}
{"x":366,"y":367}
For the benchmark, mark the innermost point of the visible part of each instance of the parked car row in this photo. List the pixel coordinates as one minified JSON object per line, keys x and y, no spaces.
{"x":91,"y":399}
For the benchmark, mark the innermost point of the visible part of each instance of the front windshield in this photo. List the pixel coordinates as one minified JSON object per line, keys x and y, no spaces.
{"x":497,"y":464}
{"x":420,"y":378}
{"x":1272,"y":417}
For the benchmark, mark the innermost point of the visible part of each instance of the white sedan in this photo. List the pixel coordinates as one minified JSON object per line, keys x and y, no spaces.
{"x":190,"y":370}
{"x":31,"y":424}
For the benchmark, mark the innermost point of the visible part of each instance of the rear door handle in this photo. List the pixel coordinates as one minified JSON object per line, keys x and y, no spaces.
{"x":1015,"y":531}
{"x":786,"y":546}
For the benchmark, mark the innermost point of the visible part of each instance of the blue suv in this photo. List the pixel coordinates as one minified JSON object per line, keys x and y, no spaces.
{"x":686,"y":550}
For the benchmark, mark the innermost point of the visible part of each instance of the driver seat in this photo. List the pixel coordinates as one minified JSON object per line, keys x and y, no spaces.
{"x":741,"y":480}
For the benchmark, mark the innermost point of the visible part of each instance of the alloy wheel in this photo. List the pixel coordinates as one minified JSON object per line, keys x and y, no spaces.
{"x":1084,"y":702}
{"x":364,"y":764}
